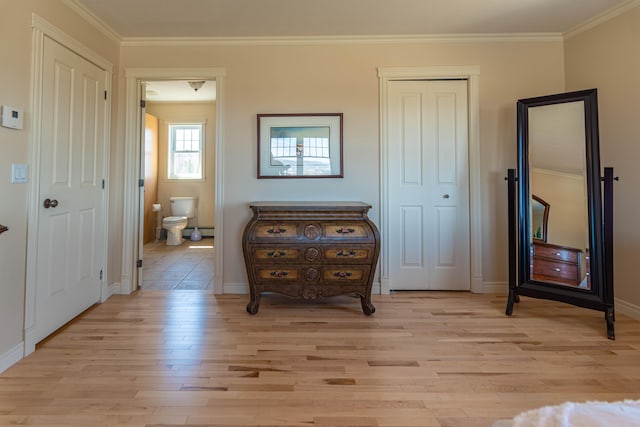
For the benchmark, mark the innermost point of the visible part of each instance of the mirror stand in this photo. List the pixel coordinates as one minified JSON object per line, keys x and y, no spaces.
{"x":602,"y":301}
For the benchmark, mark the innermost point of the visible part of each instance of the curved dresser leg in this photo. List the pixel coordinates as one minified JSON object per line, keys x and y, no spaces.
{"x":254,"y":304}
{"x":367,"y":307}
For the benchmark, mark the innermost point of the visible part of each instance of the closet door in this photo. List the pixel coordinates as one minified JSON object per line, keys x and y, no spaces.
{"x":428,"y":185}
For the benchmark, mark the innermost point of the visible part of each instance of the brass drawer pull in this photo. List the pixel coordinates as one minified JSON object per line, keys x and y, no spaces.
{"x":279,"y":273}
{"x":276,"y":230}
{"x":343,"y":274}
{"x":343,"y":253}
{"x":345,"y":230}
{"x":276,"y":254}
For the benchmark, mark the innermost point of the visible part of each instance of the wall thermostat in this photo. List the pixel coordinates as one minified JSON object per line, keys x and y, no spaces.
{"x":12,"y":117}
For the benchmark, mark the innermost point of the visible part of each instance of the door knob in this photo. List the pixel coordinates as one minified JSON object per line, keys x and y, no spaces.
{"x":445,"y":196}
{"x":48,"y":203}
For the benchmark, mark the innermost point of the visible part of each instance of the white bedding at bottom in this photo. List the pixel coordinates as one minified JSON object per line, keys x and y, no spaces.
{"x":589,"y":414}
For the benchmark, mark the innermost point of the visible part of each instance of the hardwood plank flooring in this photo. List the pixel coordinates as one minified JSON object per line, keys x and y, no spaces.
{"x":441,"y":359}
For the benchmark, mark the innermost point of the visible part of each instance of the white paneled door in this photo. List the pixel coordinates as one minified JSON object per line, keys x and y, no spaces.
{"x":70,"y":240}
{"x":428,"y":178}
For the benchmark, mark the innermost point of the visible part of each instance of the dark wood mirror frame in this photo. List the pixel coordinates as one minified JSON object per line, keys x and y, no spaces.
{"x":600,"y":214}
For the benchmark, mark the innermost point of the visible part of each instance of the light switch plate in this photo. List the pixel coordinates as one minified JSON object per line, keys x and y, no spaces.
{"x":19,"y":172}
{"x":12,"y":117}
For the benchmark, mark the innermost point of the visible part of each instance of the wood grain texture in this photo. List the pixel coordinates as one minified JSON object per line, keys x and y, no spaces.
{"x":176,"y":358}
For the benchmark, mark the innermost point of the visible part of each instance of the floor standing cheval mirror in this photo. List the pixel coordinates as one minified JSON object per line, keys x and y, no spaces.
{"x":560,"y":207}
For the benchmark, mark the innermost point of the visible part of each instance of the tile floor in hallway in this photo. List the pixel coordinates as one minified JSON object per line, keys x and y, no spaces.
{"x":188,"y":266}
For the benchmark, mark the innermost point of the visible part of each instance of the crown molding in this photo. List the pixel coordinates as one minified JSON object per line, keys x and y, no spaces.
{"x":601,"y":18}
{"x":105,"y":29}
{"x":92,"y":19}
{"x":332,"y":40}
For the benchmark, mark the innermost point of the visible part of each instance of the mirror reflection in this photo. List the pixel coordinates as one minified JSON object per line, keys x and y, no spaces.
{"x":539,"y":218}
{"x":559,"y":231}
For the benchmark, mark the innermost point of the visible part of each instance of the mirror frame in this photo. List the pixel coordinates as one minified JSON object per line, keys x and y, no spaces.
{"x":600,"y":295}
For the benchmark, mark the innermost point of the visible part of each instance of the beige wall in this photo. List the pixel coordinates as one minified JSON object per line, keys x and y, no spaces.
{"x":184,"y":112}
{"x":565,"y":193}
{"x":606,"y":58}
{"x":15,"y":82}
{"x":343,"y":78}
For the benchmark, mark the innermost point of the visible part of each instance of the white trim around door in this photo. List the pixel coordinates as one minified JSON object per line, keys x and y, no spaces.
{"x":131,"y":208}
{"x":472,"y":75}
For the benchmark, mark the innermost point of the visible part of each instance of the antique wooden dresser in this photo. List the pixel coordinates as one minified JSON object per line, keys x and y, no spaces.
{"x":310,"y":250}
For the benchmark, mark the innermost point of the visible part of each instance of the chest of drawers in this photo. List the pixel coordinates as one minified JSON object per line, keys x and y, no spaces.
{"x":310,"y":250}
{"x":555,"y":264}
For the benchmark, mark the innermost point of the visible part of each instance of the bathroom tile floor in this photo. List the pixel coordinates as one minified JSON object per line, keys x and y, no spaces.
{"x":188,"y":266}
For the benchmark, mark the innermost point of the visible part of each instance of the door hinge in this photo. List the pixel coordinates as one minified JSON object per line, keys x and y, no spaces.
{"x":143,"y":103}
{"x":100,"y":274}
{"x":105,"y":95}
{"x":139,"y":263}
{"x":141,"y":182}
{"x":103,"y":184}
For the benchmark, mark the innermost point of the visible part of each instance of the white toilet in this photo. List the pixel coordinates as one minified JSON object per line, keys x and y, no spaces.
{"x":182,"y":209}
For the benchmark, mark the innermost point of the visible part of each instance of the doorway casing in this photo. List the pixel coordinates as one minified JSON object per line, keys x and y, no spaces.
{"x":131,"y":209}
{"x":472,"y":75}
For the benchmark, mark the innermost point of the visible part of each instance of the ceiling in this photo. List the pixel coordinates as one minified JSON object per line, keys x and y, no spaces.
{"x":346,"y":18}
{"x":149,"y":20}
{"x":179,"y":90}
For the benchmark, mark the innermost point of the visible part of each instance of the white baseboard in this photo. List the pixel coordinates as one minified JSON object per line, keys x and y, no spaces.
{"x":627,"y":308}
{"x":11,"y":357}
{"x":204,"y":231}
{"x":621,"y":306}
{"x":235,"y":288}
{"x":495,"y":288}
{"x":108,"y":291}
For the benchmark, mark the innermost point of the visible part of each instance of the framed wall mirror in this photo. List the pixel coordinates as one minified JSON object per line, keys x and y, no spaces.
{"x":559,"y":247}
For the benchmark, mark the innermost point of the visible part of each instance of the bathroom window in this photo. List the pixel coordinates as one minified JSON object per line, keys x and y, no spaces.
{"x":186,"y":155}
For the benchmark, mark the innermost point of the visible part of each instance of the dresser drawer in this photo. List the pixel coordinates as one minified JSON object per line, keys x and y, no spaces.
{"x":347,"y":230}
{"x":349,"y":254}
{"x":555,"y":253}
{"x":345,"y":273}
{"x":276,"y":231}
{"x":277,"y":274}
{"x":558,"y":270}
{"x":276,"y":254}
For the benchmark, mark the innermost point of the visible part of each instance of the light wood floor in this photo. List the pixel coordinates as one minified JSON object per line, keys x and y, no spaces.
{"x":423,"y":359}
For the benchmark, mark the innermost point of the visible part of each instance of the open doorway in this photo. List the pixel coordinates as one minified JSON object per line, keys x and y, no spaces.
{"x":179,"y":184}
